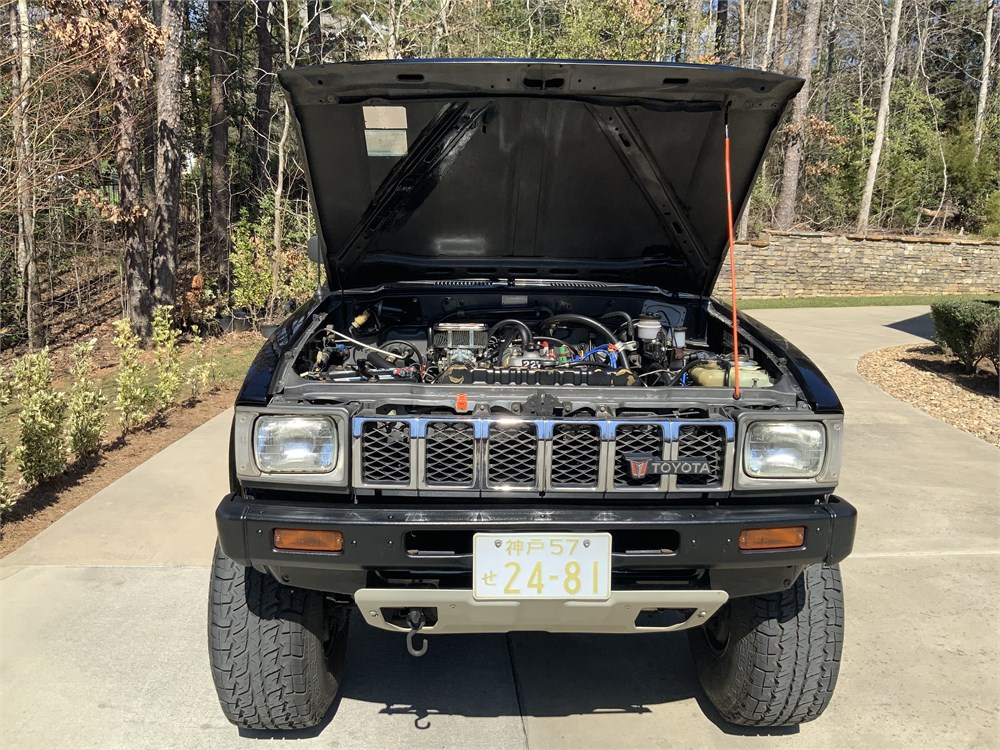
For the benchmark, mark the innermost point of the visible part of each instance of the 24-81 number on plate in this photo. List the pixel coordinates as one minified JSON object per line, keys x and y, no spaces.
{"x":541,"y":566}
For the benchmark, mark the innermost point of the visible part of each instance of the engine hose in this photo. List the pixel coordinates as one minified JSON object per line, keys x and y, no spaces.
{"x":378,"y":360}
{"x":683,"y":372}
{"x":521,"y":327}
{"x":408,"y":345}
{"x":337,"y":334}
{"x":630,"y":324}
{"x":582,"y":320}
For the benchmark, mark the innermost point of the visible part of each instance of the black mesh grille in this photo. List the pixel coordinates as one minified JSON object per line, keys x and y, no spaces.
{"x":449,"y":453}
{"x":385,"y":452}
{"x":576,"y":455}
{"x":453,"y":457}
{"x":636,"y":438}
{"x":512,"y":453}
{"x":701,"y":441}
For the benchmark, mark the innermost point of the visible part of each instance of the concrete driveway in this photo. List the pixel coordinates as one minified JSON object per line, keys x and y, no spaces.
{"x":103,"y":615}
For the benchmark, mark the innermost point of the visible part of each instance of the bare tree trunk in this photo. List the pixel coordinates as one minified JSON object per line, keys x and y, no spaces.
{"x":721,"y":30}
{"x":314,"y":10}
{"x":743,"y":32}
{"x":196,"y":212}
{"x":769,"y":39}
{"x":923,"y":30}
{"x":880,"y":121}
{"x":168,"y":166}
{"x":440,"y":26}
{"x":218,"y":18}
{"x":29,"y":298}
{"x":200,"y":139}
{"x":133,"y":219}
{"x":984,"y":77}
{"x":262,"y":108}
{"x":692,"y":45}
{"x":793,"y":151}
{"x":279,"y":230}
{"x":831,"y":54}
{"x":779,"y":48}
{"x":392,"y":38}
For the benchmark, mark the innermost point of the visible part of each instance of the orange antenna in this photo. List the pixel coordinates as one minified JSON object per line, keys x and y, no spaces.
{"x":732,"y":263}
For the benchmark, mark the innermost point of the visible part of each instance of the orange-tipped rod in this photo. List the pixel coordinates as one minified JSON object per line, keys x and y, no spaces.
{"x":732,"y":267}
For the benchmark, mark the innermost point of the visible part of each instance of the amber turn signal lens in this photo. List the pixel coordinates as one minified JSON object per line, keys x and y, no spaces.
{"x":309,"y":540}
{"x":783,"y":538}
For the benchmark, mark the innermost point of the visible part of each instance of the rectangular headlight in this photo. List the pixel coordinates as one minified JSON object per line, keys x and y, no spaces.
{"x":784,"y":450}
{"x":295,"y":445}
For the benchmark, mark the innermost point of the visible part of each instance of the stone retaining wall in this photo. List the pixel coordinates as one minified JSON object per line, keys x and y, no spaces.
{"x":813,"y":264}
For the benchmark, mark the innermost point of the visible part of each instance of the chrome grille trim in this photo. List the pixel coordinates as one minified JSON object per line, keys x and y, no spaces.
{"x":488,"y":462}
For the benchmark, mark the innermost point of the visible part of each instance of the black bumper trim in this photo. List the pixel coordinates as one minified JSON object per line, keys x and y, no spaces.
{"x":374,"y":538}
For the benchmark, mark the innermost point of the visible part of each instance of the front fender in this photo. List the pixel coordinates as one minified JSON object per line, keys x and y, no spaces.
{"x":256,"y":389}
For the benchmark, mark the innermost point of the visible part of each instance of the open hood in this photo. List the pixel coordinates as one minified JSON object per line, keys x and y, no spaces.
{"x":514,"y":169}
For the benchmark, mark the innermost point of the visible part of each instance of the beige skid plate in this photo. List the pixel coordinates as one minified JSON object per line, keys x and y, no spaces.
{"x":459,"y":612}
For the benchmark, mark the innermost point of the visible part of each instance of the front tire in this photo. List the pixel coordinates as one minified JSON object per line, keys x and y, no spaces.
{"x":772,"y":660}
{"x":277,"y":652}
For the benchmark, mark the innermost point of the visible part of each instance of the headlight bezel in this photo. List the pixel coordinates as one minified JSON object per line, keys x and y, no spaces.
{"x":248,"y":470}
{"x":829,"y":471}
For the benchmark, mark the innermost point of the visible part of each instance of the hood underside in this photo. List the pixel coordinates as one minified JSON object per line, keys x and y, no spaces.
{"x":527,"y":169}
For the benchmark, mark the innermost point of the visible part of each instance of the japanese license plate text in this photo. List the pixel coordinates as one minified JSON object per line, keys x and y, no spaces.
{"x":541,"y":566}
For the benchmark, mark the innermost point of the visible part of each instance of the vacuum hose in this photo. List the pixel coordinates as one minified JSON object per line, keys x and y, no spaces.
{"x":582,"y":320}
{"x":521,"y":327}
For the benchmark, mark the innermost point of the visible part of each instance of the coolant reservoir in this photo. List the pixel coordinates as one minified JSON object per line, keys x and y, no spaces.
{"x":753,"y":375}
{"x":711,"y":374}
{"x":708,"y":373}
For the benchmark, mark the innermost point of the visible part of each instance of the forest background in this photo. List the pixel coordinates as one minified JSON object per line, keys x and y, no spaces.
{"x":144,"y":144}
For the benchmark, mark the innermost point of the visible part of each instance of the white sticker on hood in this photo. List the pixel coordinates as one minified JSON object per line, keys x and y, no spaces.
{"x":385,"y":131}
{"x":385,"y":118}
{"x":385,"y":142}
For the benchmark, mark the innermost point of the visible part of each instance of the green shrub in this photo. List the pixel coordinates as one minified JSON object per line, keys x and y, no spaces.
{"x":168,"y":365}
{"x":968,"y":329}
{"x":41,"y":452}
{"x":203,"y":373}
{"x":86,"y":404}
{"x":265,"y":277}
{"x":991,"y":214}
{"x":8,"y":496}
{"x":250,"y":264}
{"x":5,"y":387}
{"x":32,"y":372}
{"x":133,"y":400}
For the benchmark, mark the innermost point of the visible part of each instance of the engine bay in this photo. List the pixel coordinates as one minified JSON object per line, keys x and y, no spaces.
{"x":527,"y":340}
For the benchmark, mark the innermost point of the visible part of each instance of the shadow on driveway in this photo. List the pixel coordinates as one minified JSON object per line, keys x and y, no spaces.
{"x":521,"y":674}
{"x":921,"y":326}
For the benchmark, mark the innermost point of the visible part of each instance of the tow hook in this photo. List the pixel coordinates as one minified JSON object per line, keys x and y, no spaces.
{"x":416,"y":620}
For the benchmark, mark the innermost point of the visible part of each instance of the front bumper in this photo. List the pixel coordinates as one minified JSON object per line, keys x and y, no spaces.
{"x":456,"y":611}
{"x":380,"y":551}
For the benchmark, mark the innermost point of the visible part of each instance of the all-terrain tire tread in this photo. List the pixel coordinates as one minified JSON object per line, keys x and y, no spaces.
{"x":783,"y":670}
{"x":266,"y":649}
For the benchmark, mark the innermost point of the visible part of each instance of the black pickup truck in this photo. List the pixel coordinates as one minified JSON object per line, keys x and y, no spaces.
{"x":515,"y":405}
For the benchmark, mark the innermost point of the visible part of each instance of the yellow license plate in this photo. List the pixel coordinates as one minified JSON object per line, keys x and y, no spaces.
{"x":541,"y":566}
